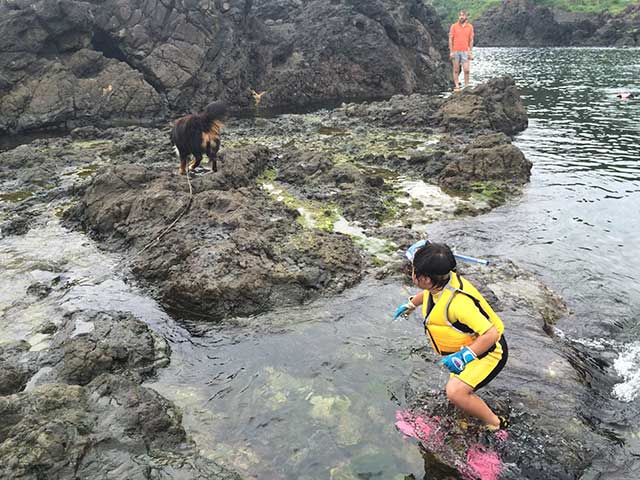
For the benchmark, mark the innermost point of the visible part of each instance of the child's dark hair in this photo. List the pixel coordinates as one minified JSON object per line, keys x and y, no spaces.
{"x":436,"y":261}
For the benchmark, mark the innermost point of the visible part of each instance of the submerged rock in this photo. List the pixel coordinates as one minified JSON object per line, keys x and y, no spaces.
{"x":110,"y":427}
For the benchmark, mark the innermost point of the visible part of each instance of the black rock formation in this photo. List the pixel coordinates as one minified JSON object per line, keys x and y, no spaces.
{"x":66,"y":63}
{"x":525,"y":23}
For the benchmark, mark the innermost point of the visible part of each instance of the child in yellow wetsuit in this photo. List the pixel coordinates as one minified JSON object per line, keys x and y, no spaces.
{"x":461,"y":325}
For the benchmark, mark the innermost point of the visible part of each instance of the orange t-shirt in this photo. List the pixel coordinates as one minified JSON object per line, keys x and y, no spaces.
{"x":462,"y":35}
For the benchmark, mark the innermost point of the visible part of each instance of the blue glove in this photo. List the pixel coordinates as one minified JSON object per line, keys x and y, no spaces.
{"x":457,"y":361}
{"x":404,"y":309}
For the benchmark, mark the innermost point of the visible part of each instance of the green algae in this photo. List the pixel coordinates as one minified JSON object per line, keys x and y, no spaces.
{"x":344,"y":145}
{"x":84,"y":171}
{"x":325,"y":217}
{"x":392,"y":209}
{"x":87,"y":171}
{"x":60,"y":210}
{"x":15,"y":197}
{"x":416,"y":204}
{"x":465,"y":209}
{"x":333,"y":131}
{"x":91,"y":144}
{"x":268,"y":176}
{"x":387,"y":174}
{"x":312,"y":215}
{"x":490,"y":191}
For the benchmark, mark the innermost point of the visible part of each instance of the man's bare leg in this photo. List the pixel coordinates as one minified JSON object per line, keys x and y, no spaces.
{"x":456,"y":74}
{"x":463,"y":397}
{"x":466,"y":68}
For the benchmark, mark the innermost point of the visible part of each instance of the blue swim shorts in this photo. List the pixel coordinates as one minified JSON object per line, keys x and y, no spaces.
{"x":460,"y":57}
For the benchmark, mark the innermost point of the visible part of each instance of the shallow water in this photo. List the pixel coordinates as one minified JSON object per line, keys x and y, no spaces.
{"x":311,"y":392}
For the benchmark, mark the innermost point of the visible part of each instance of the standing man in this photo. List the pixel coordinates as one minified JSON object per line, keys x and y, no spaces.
{"x":460,"y":47}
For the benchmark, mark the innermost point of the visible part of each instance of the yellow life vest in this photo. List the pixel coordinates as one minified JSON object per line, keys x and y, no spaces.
{"x":447,"y":337}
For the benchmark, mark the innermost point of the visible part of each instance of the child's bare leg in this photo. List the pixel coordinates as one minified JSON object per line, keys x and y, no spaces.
{"x":463,"y":397}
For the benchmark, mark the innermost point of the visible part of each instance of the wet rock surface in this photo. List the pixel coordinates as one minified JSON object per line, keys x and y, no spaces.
{"x":494,"y":105}
{"x":271,"y":211}
{"x":84,"y":414}
{"x":70,"y":63}
{"x":243,"y":218}
{"x":525,"y":23}
{"x":15,"y":366}
{"x":87,"y":344}
{"x":266,"y":223}
{"x":231,"y":226}
{"x":112,"y":426}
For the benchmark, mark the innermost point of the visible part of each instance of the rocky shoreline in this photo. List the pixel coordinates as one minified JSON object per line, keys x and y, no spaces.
{"x":70,"y":63}
{"x":302,"y":208}
{"x":525,"y":23}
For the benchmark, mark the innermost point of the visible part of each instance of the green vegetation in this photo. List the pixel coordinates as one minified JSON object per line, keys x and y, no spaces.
{"x":315,"y":215}
{"x":15,"y":197}
{"x":392,"y":209}
{"x":91,"y":144}
{"x":590,"y":6}
{"x":268,"y":176}
{"x":83,"y":172}
{"x":449,"y":8}
{"x":344,"y":146}
{"x":492,"y":192}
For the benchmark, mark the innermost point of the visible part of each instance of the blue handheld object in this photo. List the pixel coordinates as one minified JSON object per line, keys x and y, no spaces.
{"x":411,"y":252}
{"x":466,"y":258}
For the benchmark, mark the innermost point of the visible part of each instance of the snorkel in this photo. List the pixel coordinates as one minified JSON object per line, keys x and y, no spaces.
{"x":411,"y":252}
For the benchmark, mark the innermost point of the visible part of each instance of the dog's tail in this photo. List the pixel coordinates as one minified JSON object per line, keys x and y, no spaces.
{"x":172,"y":136}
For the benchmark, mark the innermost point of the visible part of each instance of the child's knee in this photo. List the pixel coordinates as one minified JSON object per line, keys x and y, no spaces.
{"x":456,"y":391}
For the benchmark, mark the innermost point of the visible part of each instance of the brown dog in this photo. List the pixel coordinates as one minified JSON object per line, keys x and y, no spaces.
{"x":198,"y":134}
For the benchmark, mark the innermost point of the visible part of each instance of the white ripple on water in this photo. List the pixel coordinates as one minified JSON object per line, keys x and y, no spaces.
{"x":626,"y":366}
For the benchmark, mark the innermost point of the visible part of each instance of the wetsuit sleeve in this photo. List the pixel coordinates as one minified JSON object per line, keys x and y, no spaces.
{"x":465,"y":311}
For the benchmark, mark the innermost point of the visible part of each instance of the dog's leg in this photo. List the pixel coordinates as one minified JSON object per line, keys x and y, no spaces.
{"x":196,"y":163}
{"x":183,"y":165}
{"x":212,"y":153}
